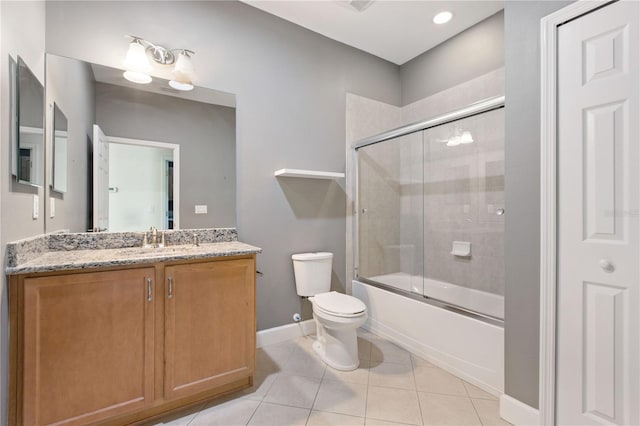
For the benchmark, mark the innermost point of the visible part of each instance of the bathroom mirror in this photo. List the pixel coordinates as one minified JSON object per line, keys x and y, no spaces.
{"x":28,"y":132}
{"x":59,"y":151}
{"x":139,"y":155}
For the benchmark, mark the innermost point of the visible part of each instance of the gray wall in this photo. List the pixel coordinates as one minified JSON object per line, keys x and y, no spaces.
{"x":21,"y":33}
{"x":522,"y":195}
{"x":70,"y":86}
{"x":291,"y":89}
{"x":471,"y":53}
{"x":207,"y":137}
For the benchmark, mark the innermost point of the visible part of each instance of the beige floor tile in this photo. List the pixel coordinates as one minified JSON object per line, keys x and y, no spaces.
{"x":229,"y":413}
{"x":394,"y":405}
{"x":376,"y":422}
{"x":305,"y":342}
{"x":385,"y":351}
{"x":322,"y":418}
{"x":262,"y":382}
{"x":447,"y":410}
{"x":392,"y":375}
{"x":364,"y":348}
{"x":436,"y":380}
{"x":279,"y":415}
{"x":420,"y":362}
{"x":489,"y":412}
{"x":359,"y":375}
{"x":274,"y":357}
{"x":342,"y":398}
{"x":476,"y":392}
{"x":296,"y":391}
{"x":305,"y":363}
{"x":181,"y":418}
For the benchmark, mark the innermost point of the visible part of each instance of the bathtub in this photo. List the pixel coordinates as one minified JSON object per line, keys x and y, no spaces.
{"x":473,"y":300}
{"x":467,"y":346}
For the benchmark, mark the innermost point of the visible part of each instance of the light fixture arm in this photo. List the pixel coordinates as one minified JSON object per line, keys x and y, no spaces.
{"x":160,"y":54}
{"x":138,"y":67}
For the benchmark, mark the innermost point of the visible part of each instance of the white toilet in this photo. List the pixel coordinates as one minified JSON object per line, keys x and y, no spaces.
{"x":337,"y":315}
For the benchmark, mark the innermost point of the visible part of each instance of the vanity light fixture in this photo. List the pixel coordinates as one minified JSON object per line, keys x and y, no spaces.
{"x":442,"y":17}
{"x":138,"y":67}
{"x":183,"y":72}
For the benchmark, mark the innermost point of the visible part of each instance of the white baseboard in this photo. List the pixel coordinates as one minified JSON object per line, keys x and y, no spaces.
{"x":283,"y":333}
{"x":517,"y":412}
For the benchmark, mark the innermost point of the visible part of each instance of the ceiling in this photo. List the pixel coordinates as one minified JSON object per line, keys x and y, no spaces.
{"x":394,"y":30}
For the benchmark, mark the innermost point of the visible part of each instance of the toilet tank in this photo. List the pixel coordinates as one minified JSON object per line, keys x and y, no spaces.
{"x":312,"y":272}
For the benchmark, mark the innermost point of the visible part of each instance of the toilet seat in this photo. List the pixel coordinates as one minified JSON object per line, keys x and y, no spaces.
{"x":338,"y":304}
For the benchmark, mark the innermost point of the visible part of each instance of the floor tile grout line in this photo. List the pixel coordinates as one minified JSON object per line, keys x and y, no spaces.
{"x":314,"y":401}
{"x":415,"y":382}
{"x":476,"y":410}
{"x":255,"y":410}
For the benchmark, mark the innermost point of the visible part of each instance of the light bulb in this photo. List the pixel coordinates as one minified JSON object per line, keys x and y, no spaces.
{"x":180,"y":86}
{"x":137,"y":64}
{"x":456,"y":140}
{"x":137,"y":77}
{"x":442,"y":17}
{"x":466,"y":137}
{"x":182,"y":72}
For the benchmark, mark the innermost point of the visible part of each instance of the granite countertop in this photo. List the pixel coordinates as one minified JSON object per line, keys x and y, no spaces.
{"x":82,"y":251}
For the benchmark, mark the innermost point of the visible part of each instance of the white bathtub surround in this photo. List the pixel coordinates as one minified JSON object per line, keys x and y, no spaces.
{"x":469,"y":348}
{"x":517,"y":412}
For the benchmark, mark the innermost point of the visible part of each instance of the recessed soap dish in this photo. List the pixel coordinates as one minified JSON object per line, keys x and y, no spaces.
{"x":461,"y":249}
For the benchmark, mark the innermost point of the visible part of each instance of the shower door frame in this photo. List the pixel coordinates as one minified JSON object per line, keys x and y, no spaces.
{"x":485,"y":105}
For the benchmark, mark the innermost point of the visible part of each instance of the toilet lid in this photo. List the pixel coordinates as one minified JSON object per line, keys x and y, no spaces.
{"x":338,"y":303}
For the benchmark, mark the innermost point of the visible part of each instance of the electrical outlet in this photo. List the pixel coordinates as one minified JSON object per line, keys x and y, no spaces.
{"x":201,"y":209}
{"x":36,"y":207}
{"x":52,"y":207}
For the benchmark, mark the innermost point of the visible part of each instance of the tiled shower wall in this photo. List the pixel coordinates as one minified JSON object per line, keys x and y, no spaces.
{"x":463,"y":188}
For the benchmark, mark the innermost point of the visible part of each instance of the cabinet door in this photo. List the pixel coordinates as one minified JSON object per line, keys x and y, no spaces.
{"x":210,"y":325}
{"x":88,"y":346}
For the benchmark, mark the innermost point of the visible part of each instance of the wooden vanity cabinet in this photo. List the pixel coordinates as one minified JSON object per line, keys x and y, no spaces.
{"x":210,"y":325}
{"x":121,"y":345}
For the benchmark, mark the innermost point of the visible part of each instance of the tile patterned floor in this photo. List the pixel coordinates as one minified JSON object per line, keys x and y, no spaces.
{"x":391,"y":387}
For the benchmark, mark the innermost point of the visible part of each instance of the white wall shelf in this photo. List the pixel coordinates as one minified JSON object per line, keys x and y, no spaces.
{"x":311,"y":174}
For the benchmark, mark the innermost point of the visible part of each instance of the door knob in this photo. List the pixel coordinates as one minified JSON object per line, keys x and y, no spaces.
{"x":607,"y":265}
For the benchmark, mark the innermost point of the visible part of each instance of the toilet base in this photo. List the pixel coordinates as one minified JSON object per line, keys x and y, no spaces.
{"x":338,"y":348}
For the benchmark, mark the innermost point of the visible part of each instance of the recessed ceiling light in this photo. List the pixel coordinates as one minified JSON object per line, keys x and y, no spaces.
{"x":442,"y":17}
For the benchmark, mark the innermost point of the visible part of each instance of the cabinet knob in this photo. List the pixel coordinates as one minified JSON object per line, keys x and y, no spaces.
{"x":149,"y":289}
{"x":170,"y":286}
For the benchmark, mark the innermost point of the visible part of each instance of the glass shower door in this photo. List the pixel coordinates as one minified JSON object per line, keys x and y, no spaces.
{"x":390,"y":216}
{"x":463,"y":213}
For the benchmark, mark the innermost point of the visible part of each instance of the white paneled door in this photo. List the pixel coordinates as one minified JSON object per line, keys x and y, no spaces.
{"x":598,"y":334}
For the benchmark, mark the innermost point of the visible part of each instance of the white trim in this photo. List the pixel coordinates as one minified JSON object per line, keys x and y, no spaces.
{"x":548,"y":205}
{"x":283,"y":333}
{"x":517,"y":412}
{"x":176,"y":168}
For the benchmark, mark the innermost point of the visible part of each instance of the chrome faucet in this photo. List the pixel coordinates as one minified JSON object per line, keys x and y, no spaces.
{"x":154,"y":236}
{"x":153,"y":241}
